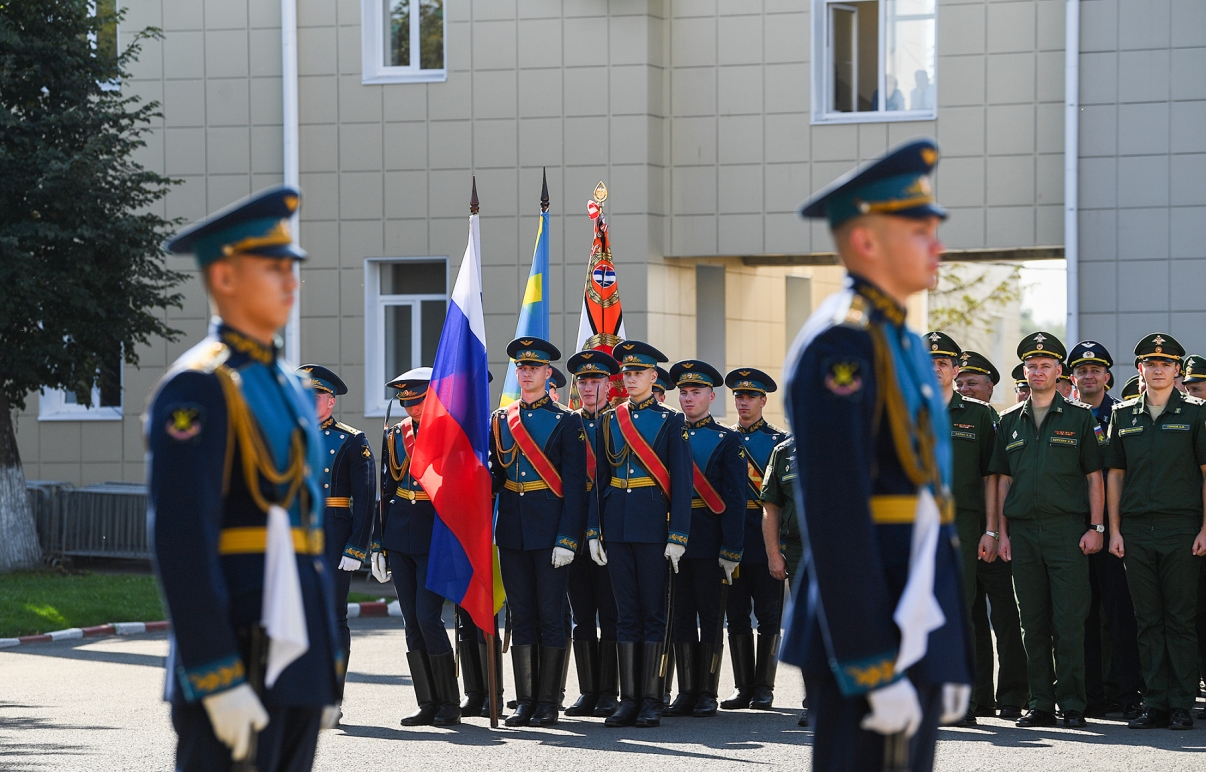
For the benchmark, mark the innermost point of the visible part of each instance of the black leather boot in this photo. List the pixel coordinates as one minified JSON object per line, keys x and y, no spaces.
{"x":586,"y":658}
{"x":709,"y":682}
{"x":448,"y":694}
{"x":688,"y":680}
{"x":767,"y":663}
{"x":609,"y":680}
{"x":523,"y":663}
{"x":653,"y":691}
{"x":741,"y":650}
{"x":548,"y":693}
{"x":474,"y":675}
{"x":626,"y":712}
{"x":420,"y":678}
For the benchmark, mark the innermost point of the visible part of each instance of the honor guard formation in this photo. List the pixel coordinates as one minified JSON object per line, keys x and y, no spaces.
{"x":927,"y":559}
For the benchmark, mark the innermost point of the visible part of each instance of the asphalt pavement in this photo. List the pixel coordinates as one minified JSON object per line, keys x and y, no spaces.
{"x":95,"y":704}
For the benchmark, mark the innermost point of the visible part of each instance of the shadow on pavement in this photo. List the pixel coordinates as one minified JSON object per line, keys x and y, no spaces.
{"x":1103,"y":733}
{"x":12,"y":750}
{"x":73,"y":649}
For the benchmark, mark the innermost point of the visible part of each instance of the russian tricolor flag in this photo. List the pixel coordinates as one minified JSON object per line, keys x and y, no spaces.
{"x":452,"y":451}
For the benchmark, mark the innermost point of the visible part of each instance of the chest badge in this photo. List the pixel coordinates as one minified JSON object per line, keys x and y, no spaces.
{"x":1015,"y":434}
{"x":1134,"y":421}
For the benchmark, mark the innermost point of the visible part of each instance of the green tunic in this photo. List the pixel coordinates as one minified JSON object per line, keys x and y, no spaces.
{"x":778,"y":488}
{"x":1161,"y":514}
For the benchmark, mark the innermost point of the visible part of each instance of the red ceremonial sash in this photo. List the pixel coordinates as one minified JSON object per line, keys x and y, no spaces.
{"x":640,"y":446}
{"x":591,"y":463}
{"x":535,"y":455}
{"x":408,"y":437}
{"x":706,"y":491}
{"x":754,"y":473}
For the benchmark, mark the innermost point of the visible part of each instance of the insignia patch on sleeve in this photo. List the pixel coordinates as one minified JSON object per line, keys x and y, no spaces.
{"x":184,"y":422}
{"x":686,"y":436}
{"x":844,"y":377}
{"x":581,"y":435}
{"x":366,"y":452}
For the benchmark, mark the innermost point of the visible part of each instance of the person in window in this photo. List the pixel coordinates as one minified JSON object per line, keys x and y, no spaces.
{"x":922,"y":97}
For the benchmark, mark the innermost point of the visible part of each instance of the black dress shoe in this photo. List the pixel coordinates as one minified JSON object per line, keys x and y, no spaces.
{"x":1010,"y":712}
{"x":1036,"y":717}
{"x":1151,"y":718}
{"x":1202,"y":713}
{"x":1098,"y":710}
{"x":969,"y":719}
{"x":1180,"y":719}
{"x":606,"y":705}
{"x":987,"y":712}
{"x":1074,"y":719}
{"x":1132,"y":710}
{"x":803,"y":718}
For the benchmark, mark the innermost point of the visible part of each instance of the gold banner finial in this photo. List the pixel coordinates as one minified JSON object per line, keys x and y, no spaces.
{"x":600,"y":193}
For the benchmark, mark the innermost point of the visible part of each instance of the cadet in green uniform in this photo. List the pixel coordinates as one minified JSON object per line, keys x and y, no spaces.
{"x":973,"y":436}
{"x":1048,"y":460}
{"x":1132,"y":388}
{"x":1156,"y":458}
{"x":1021,"y":387}
{"x":977,"y":377}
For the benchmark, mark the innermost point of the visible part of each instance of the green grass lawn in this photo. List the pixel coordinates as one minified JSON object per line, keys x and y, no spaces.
{"x":34,"y":602}
{"x":364,"y":597}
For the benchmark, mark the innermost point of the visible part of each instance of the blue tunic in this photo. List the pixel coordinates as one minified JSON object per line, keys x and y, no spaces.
{"x":207,"y":518}
{"x":758,"y":441}
{"x":717,"y":452}
{"x":347,"y":475}
{"x":409,"y":513}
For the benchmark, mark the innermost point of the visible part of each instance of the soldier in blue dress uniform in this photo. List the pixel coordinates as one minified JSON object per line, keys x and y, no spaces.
{"x":348,"y":478}
{"x":232,"y":442}
{"x":717,"y":539}
{"x":662,"y":384}
{"x":754,"y":588}
{"x":401,"y":543}
{"x":538,"y":461}
{"x":883,"y":661}
{"x":590,"y":595}
{"x":643,"y":521}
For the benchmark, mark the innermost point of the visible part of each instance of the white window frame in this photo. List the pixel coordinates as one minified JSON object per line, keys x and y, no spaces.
{"x":53,"y":405}
{"x":115,"y":84}
{"x":375,"y":303}
{"x":822,"y":74}
{"x":372,"y":48}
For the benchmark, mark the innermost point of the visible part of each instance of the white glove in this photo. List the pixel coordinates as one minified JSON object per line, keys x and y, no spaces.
{"x":955,"y":698}
{"x":596,"y":552}
{"x":233,"y":714}
{"x":330,"y":717}
{"x":349,"y":564}
{"x":894,"y":709}
{"x":562,"y":557}
{"x":729,"y":567}
{"x":673,"y":553}
{"x":380,"y":568}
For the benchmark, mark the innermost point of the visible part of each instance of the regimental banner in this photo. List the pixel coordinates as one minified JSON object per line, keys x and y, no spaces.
{"x":602,"y":323}
{"x":534,"y":310}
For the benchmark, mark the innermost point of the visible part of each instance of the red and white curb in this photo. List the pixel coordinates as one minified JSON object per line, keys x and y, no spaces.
{"x":117,"y":628}
{"x":374,"y":608}
{"x":368,"y":609}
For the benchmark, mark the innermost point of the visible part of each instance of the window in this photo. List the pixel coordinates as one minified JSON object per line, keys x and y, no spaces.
{"x":405,"y":301}
{"x":104,"y":40}
{"x":105,"y":405}
{"x":402,"y":41}
{"x":878,"y":62}
{"x":710,"y":326}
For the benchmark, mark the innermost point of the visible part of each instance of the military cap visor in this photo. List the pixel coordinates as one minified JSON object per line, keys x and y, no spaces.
{"x":1131,"y":387}
{"x":1159,"y":346}
{"x":663,"y":381}
{"x":532,"y":351}
{"x":637,"y":355}
{"x":1089,"y":352}
{"x":257,"y":225}
{"x":557,"y":381}
{"x":942,"y":345}
{"x":898,"y":183}
{"x":751,"y":380}
{"x":592,"y":364}
{"x":322,"y":379}
{"x":1041,"y":344}
{"x":1019,"y":376}
{"x":973,"y":362}
{"x":412,"y":385}
{"x":695,"y":372}
{"x":1193,"y":369}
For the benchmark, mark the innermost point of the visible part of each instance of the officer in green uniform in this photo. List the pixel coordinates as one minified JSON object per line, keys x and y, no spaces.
{"x":1156,"y":458}
{"x":1193,"y":371}
{"x":1132,"y":388}
{"x":977,"y":377}
{"x":1021,"y":387}
{"x":780,"y":526}
{"x":1193,"y":375}
{"x":973,"y":437}
{"x":1047,"y":456}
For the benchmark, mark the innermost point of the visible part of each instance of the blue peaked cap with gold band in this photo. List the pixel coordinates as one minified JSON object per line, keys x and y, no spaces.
{"x":323,"y":379}
{"x":412,"y":386}
{"x":532,"y":351}
{"x":695,"y":372}
{"x":637,"y":355}
{"x":897,"y":183}
{"x":750,"y":379}
{"x":592,"y":364}
{"x":663,"y":381}
{"x":258,"y":225}
{"x":557,"y":381}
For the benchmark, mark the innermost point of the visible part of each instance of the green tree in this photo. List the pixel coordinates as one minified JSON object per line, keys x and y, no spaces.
{"x":81,"y":267}
{"x":968,"y":297}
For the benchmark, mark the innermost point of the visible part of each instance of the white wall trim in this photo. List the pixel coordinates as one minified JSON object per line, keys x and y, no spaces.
{"x":1072,"y":167}
{"x":292,"y":160}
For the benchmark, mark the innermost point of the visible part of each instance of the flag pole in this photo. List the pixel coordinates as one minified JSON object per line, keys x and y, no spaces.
{"x":491,"y":637}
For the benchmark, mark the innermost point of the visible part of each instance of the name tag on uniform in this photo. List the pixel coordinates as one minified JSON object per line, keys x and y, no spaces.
{"x":1066,"y":441}
{"x":1175,"y":427}
{"x":1130,"y":430}
{"x":963,"y":435}
{"x":1015,"y":445}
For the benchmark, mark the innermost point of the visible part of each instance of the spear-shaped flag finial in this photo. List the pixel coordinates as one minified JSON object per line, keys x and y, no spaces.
{"x":544,"y":190}
{"x":473,"y":205}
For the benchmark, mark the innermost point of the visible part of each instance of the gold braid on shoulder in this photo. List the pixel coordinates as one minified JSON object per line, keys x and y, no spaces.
{"x":914,"y":441}
{"x":396,"y":471}
{"x":506,"y":458}
{"x":257,"y":460}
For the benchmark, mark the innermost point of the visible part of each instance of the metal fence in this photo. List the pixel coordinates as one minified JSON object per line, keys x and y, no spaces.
{"x":106,"y":520}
